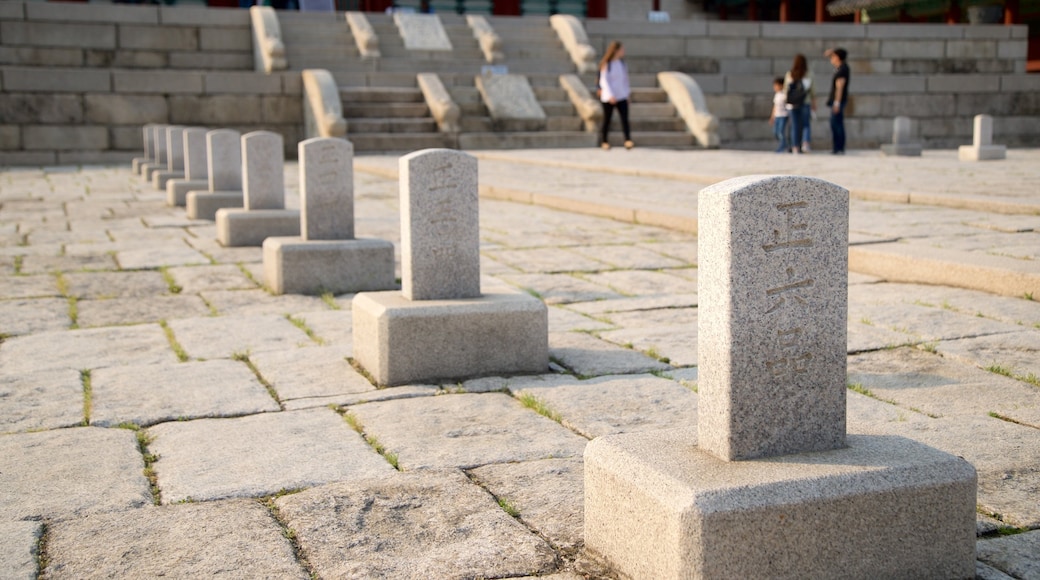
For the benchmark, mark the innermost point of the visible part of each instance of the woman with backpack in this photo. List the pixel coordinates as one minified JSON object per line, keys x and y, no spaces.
{"x":798,"y":87}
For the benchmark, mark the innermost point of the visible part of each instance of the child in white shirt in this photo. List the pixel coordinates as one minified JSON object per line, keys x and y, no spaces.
{"x":778,"y":118}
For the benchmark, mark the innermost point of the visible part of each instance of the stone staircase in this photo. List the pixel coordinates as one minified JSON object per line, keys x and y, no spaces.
{"x":385,"y":110}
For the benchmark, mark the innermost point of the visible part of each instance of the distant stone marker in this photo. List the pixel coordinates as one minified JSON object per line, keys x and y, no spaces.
{"x":441,"y":326}
{"x":326,"y":257}
{"x":137,"y":164}
{"x":768,"y":484}
{"x":195,"y":168}
{"x":159,"y":160}
{"x":982,"y":147}
{"x":263,"y":193}
{"x":903,"y":144}
{"x":174,"y":158}
{"x":224,"y":172}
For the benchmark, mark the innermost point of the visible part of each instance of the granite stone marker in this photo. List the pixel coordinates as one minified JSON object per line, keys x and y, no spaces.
{"x":441,"y":326}
{"x":174,"y":158}
{"x":159,"y":160}
{"x":195,"y":168}
{"x":224,"y":170}
{"x":902,"y":139}
{"x":768,"y":484}
{"x":326,"y":257}
{"x":772,"y":317}
{"x":440,"y":225}
{"x":263,"y":194}
{"x":137,"y":165}
{"x":982,"y":147}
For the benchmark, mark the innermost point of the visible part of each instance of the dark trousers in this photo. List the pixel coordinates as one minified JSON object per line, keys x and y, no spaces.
{"x":838,"y":129}
{"x":608,"y":112}
{"x":799,"y":117}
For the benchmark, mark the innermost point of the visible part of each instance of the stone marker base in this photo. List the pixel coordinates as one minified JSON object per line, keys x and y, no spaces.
{"x":177,"y":190}
{"x":149,"y":169}
{"x":400,"y":341}
{"x":884,"y":507}
{"x":296,"y":266}
{"x":982,"y":153}
{"x":901,"y":149}
{"x":203,"y":205}
{"x":242,"y":227}
{"x":137,"y":163}
{"x":161,"y":178}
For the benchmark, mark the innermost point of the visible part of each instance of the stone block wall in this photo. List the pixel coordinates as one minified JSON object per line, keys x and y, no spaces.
{"x":939,"y":75}
{"x":77,"y":81}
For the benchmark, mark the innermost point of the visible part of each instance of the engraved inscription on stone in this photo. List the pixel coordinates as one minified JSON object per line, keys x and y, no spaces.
{"x":326,"y":189}
{"x":440,"y":226}
{"x":224,"y":159}
{"x":263,"y":179}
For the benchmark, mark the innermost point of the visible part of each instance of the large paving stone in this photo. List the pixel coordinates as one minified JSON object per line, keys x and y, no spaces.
{"x":1017,"y":353}
{"x":634,"y":304}
{"x":18,"y":549}
{"x":67,"y":473}
{"x":927,"y":323}
{"x":226,"y":336}
{"x":41,"y":286}
{"x":643,"y":282}
{"x":259,"y":455}
{"x":194,"y":279}
{"x":145,"y":395}
{"x":938,"y":386}
{"x":589,"y":356}
{"x":259,"y":302}
{"x":615,"y":404}
{"x":548,"y":495}
{"x":867,"y":337}
{"x":173,"y":253}
{"x":1015,"y":555}
{"x":306,"y":373}
{"x":40,"y":400}
{"x":92,"y":348}
{"x":332,"y":327}
{"x":631,"y":257}
{"x":653,"y":317}
{"x":44,"y":264}
{"x":115,"y":284}
{"x":970,"y":302}
{"x":122,"y":311}
{"x":29,"y":315}
{"x":236,"y":539}
{"x":562,"y":320}
{"x":427,"y":524}
{"x":547,"y":260}
{"x":561,"y":288}
{"x":464,"y":431}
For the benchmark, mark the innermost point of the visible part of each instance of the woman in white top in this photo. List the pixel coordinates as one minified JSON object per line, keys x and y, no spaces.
{"x":614,"y":91}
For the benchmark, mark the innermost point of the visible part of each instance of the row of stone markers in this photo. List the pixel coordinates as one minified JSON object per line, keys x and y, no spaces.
{"x":981,"y":149}
{"x":768,"y":484}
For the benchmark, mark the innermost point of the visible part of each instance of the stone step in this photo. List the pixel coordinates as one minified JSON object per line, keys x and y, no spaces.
{"x":647,"y":110}
{"x":380,"y":95}
{"x":651,"y":124}
{"x":526,"y":140}
{"x":391,"y":125}
{"x":564,"y":123}
{"x":557,"y":109}
{"x":648,"y":95}
{"x":435,"y":66}
{"x":399,"y":142}
{"x":476,"y":124}
{"x":663,"y":139}
{"x":550,"y":93}
{"x":456,"y":53}
{"x":383,"y":110}
{"x":472,"y":109}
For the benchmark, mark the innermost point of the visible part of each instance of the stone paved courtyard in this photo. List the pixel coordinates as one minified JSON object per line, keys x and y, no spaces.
{"x":161,"y":413}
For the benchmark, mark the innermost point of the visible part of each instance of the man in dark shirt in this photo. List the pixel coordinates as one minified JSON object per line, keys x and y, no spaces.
{"x":838,"y":97}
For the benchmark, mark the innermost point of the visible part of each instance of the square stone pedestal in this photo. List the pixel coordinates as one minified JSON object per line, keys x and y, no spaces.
{"x":241,"y":227}
{"x":203,"y":205}
{"x":400,"y":341}
{"x":151,"y":168}
{"x":161,"y":178}
{"x":137,"y":164}
{"x":901,"y":149}
{"x":296,"y":266}
{"x":177,"y":190}
{"x":981,"y":153}
{"x":884,"y":507}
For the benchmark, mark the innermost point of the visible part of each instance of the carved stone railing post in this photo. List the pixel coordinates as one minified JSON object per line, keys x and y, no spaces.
{"x":590,"y":109}
{"x":268,"y":50}
{"x":364,"y":35}
{"x":572,"y":35}
{"x":490,"y":42}
{"x":686,"y":96}
{"x":438,"y":99}
{"x":322,"y":107}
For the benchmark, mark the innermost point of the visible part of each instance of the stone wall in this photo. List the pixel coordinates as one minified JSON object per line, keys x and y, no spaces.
{"x":939,"y":75}
{"x":77,"y":81}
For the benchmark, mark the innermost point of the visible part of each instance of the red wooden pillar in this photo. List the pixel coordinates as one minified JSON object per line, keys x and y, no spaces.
{"x":857,"y":17}
{"x":785,"y":8}
{"x":820,"y":14}
{"x":506,"y":8}
{"x":593,"y":8}
{"x":752,"y":10}
{"x":1012,"y":12}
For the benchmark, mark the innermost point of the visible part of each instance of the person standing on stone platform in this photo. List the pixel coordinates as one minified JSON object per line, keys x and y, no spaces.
{"x":614,"y":91}
{"x":797,"y":86}
{"x":838,"y":98}
{"x":778,"y":118}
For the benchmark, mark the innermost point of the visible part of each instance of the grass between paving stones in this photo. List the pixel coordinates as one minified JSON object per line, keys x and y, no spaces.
{"x":1030,"y":378}
{"x":18,"y":265}
{"x":1007,"y":419}
{"x":859,"y":388}
{"x":178,"y":349}
{"x":88,"y":395}
{"x":539,"y":406}
{"x":356,"y":425}
{"x":170,"y":282}
{"x":143,"y":441}
{"x":63,"y":288}
{"x":302,"y":325}
{"x":508,"y":507}
{"x":244,"y":358}
{"x":245,"y":272}
{"x":1004,"y":530}
{"x":361,"y":371}
{"x":330,"y":300}
{"x":41,"y":549}
{"x":287,"y":532}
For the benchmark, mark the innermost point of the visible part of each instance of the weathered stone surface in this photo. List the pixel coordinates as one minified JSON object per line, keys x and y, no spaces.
{"x":87,"y":349}
{"x":589,"y":356}
{"x":422,"y":31}
{"x":326,"y":189}
{"x":615,"y":404}
{"x":548,"y":260}
{"x":41,"y":400}
{"x":115,"y":284}
{"x":674,"y":344}
{"x":1015,"y":555}
{"x":196,"y":161}
{"x":258,"y":302}
{"x":561,"y":320}
{"x":643,"y":283}
{"x":510,"y":99}
{"x":546,"y":493}
{"x":18,"y":549}
{"x":145,"y":395}
{"x":250,"y":227}
{"x":331,"y":327}
{"x":296,"y":266}
{"x":561,"y":288}
{"x":28,"y":287}
{"x":263,"y":184}
{"x":157,"y":257}
{"x":224,"y":160}
{"x":772,"y":316}
{"x":927,"y":323}
{"x":194,"y":279}
{"x":67,"y":473}
{"x":223,"y":337}
{"x":432,"y":523}
{"x":635,"y":257}
{"x":464,"y":431}
{"x":259,"y":455}
{"x":192,"y":539}
{"x":307,"y":373}
{"x":1017,"y":353}
{"x":34,"y":315}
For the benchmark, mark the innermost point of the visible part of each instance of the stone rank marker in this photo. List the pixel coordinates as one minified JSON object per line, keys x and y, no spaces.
{"x":982,"y":147}
{"x":224,"y":172}
{"x":441,"y":326}
{"x":263,"y":194}
{"x":195,"y":168}
{"x":326,"y":257}
{"x":159,"y":160}
{"x":147,"y":139}
{"x":902,"y":140}
{"x":768,"y":484}
{"x":174,"y":158}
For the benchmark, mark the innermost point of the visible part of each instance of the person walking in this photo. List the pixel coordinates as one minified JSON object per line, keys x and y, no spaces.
{"x":797,"y":90}
{"x":778,"y":118}
{"x":838,"y":98}
{"x":614,"y":91}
